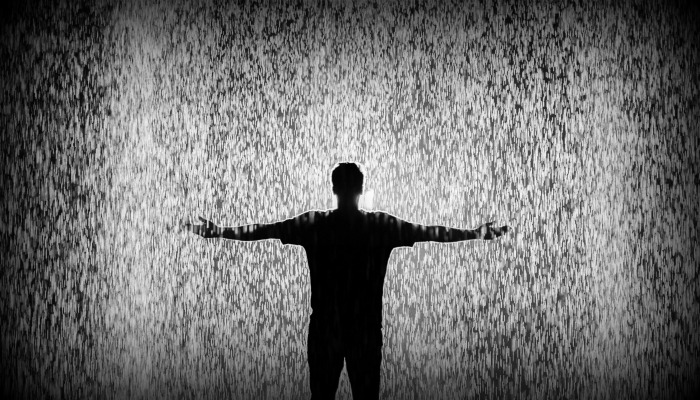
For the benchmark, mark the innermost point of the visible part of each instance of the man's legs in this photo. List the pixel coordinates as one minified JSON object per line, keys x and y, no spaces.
{"x":325,"y":364}
{"x":363,"y":362}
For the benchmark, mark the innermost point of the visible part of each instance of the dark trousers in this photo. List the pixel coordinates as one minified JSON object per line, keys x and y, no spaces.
{"x":363,"y":358}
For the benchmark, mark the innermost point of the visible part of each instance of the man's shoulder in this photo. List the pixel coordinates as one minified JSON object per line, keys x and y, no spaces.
{"x":318,"y":213}
{"x":314,"y":215}
{"x":322,"y":215}
{"x":382,"y":219}
{"x":382,"y":216}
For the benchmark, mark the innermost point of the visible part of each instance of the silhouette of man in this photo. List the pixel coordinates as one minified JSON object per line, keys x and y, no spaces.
{"x":348,"y":251}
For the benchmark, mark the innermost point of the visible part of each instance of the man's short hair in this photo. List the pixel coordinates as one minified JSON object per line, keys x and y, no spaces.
{"x":347,"y":179}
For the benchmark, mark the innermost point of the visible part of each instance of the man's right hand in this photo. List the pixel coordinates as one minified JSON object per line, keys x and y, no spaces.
{"x":488,"y":232}
{"x":206,"y":230}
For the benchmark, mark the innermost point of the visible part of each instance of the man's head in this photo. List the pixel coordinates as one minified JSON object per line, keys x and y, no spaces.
{"x":348,"y":180}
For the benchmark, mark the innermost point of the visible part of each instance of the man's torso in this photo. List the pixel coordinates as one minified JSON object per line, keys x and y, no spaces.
{"x":348,"y":257}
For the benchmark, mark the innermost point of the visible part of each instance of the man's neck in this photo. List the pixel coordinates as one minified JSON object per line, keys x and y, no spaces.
{"x":347,"y":208}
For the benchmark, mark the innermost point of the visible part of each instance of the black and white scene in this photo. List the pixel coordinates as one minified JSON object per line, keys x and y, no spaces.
{"x":349,"y":199}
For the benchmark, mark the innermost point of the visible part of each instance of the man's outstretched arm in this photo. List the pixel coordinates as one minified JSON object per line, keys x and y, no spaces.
{"x":410,"y":233}
{"x":209,"y":229}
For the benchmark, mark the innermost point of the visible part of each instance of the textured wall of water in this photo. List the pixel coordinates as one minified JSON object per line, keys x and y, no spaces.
{"x":576,"y":124}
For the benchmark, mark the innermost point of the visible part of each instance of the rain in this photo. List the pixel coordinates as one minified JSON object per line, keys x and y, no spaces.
{"x":574,"y":124}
